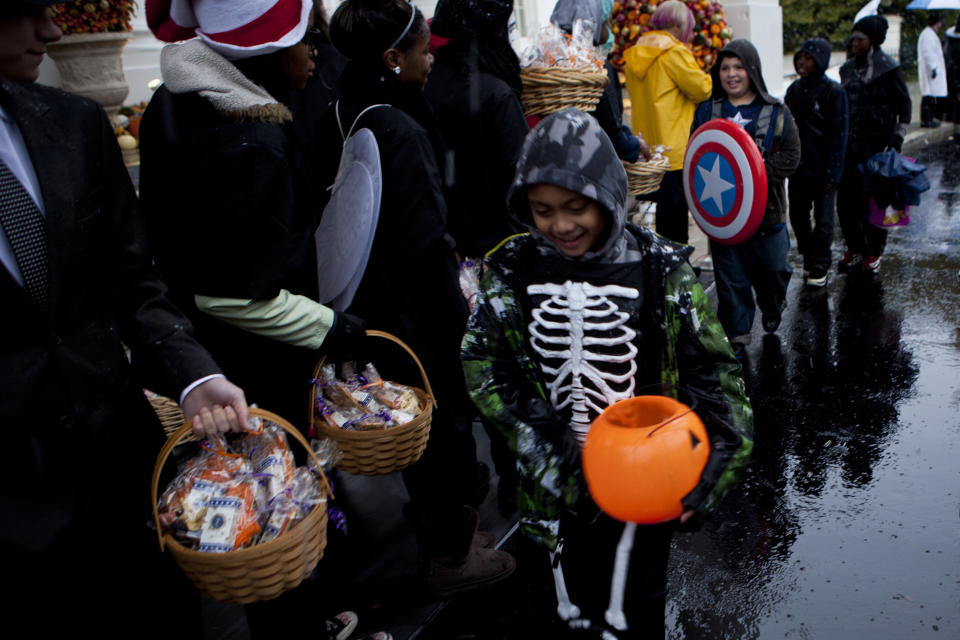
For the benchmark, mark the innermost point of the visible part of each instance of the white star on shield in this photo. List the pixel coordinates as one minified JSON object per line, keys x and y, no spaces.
{"x":713,"y":185}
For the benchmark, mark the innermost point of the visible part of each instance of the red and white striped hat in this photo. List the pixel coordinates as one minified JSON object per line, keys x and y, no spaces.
{"x":234,"y":28}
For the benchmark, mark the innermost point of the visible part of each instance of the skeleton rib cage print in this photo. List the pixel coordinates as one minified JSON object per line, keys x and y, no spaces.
{"x":585,"y":347}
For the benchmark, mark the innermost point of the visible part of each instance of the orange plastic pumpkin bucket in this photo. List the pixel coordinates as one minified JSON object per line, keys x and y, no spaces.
{"x":642,"y":455}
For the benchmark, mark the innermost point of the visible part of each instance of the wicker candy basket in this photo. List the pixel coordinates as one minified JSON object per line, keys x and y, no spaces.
{"x":550,"y":89}
{"x":377,"y":452}
{"x":260,"y":572}
{"x":645,"y":177}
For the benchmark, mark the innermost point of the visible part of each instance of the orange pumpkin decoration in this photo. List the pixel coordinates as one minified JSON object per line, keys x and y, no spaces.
{"x":134,"y":126}
{"x":642,"y":455}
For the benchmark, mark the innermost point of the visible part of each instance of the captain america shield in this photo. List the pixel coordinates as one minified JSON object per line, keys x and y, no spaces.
{"x":724,"y":181}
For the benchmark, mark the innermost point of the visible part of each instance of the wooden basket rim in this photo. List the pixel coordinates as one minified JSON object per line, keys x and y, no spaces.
{"x":185,"y":430}
{"x":660,"y":165}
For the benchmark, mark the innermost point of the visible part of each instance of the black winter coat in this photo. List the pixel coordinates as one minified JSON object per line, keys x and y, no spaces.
{"x":878,"y":103}
{"x":228,"y":204}
{"x":410,"y":287}
{"x":481,"y":121}
{"x":819,"y":107}
{"x":80,"y":437}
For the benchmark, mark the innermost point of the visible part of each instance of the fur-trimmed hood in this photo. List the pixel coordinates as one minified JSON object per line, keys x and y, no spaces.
{"x":193,"y":67}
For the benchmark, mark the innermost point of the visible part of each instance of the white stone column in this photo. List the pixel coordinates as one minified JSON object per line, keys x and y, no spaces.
{"x":760,"y":22}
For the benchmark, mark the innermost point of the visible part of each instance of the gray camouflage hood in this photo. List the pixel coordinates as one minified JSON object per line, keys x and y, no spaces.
{"x":570,"y":150}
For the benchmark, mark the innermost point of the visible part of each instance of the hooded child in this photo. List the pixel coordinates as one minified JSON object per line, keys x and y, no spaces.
{"x":880,"y":110}
{"x":819,"y":107}
{"x":758,"y":265}
{"x":577,"y":313}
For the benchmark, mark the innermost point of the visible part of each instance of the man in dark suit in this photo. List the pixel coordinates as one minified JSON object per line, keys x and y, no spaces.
{"x":79,"y":437}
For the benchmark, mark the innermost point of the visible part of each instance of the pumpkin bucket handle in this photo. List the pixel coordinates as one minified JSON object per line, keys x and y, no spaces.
{"x":669,"y":390}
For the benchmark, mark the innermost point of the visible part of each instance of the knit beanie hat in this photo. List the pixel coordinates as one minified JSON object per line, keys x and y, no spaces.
{"x":235,"y":29}
{"x":874,"y":27}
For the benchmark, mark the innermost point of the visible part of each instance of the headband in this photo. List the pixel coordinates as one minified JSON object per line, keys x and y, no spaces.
{"x":413,"y":14}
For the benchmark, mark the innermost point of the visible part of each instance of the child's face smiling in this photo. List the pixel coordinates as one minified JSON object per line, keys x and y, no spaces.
{"x":569,"y":220}
{"x":734,"y":78}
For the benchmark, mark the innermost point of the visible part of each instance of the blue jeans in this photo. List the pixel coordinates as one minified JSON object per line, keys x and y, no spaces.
{"x":757,"y":265}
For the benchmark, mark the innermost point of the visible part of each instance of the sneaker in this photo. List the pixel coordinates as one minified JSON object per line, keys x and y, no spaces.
{"x":379,"y":635}
{"x":849,"y":262}
{"x":871,"y":264}
{"x":340,"y":626}
{"x":816,"y":279}
{"x":448,"y":576}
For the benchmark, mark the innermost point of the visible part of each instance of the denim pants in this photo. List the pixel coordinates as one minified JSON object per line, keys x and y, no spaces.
{"x":757,"y":265}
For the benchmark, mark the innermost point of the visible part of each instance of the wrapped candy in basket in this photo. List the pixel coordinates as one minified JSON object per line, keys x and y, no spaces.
{"x":380,"y":427}
{"x":242,"y":521}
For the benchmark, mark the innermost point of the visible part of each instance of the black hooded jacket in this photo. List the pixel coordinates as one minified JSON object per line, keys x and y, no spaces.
{"x":481,"y":119}
{"x":878,"y":99}
{"x":410,"y":286}
{"x":819,"y":107}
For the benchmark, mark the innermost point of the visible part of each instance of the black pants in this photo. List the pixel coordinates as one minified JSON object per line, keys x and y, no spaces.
{"x":672,"y":213}
{"x":588,"y":561}
{"x":812,"y":243}
{"x":852,"y":211}
{"x":930,"y":109}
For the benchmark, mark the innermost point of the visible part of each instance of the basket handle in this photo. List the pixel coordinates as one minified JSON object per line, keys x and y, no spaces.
{"x":181,"y":434}
{"x":423,"y":372}
{"x":392,"y":338}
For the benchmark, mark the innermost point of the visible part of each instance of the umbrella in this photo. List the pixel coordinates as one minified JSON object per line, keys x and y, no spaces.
{"x":869,"y":9}
{"x":349,"y":222}
{"x":934,"y":4}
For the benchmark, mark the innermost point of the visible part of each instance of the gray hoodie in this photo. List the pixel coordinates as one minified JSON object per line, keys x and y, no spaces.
{"x":569,"y":149}
{"x":784,"y":158}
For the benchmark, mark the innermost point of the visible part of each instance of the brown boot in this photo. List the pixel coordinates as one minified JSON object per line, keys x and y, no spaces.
{"x":483,"y":540}
{"x":449,"y":575}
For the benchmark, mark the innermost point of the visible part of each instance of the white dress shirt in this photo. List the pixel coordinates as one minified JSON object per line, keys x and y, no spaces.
{"x":13,"y":152}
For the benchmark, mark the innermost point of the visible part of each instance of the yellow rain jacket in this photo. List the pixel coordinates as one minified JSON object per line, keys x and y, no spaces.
{"x":665,"y":86}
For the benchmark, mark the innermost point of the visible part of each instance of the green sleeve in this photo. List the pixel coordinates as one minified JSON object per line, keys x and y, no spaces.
{"x":289,"y":318}
{"x":699,"y":360}
{"x":503,"y":382}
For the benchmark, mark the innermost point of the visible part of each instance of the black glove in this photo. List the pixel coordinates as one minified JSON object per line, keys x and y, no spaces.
{"x":347,"y":338}
{"x":933,"y":73}
{"x":896,"y":142}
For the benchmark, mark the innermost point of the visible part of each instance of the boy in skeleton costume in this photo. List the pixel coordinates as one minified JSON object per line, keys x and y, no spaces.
{"x":582,"y":311}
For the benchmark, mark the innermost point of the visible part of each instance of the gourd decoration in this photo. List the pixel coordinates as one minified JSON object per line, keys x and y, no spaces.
{"x":642,"y":455}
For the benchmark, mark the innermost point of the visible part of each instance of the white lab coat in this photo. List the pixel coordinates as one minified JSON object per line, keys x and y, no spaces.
{"x":930,"y":57}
